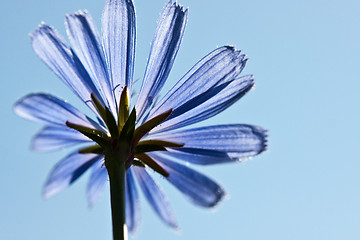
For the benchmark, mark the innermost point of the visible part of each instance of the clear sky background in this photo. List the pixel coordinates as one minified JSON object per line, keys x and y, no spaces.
{"x":305,"y":57}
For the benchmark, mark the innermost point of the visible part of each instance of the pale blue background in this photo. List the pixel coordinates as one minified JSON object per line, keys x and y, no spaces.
{"x":305,"y":56}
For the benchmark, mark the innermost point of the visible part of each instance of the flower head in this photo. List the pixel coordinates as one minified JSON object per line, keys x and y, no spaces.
{"x":99,"y":70}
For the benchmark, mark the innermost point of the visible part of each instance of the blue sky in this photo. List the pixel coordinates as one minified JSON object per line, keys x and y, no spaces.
{"x":305,"y":57}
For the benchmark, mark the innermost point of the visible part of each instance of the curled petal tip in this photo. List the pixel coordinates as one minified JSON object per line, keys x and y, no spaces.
{"x":220,"y":196}
{"x":177,"y":228}
{"x":226,"y":197}
{"x":36,"y":31}
{"x":253,"y":84}
{"x":264,"y":135}
{"x":230,"y":47}
{"x":179,"y":6}
{"x":46,"y":194}
{"x":238,"y":54}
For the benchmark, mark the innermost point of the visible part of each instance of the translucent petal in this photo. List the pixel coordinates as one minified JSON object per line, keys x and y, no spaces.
{"x":220,"y":66}
{"x":118,"y":38}
{"x":239,"y":140}
{"x":84,"y":39}
{"x":199,"y":156}
{"x":48,"y":109}
{"x":52,"y":138}
{"x":200,"y":189}
{"x":164,"y":47}
{"x":53,"y":50}
{"x":207,"y":104}
{"x":97,"y":181}
{"x":155,"y":196}
{"x":68,"y":171}
{"x":132,"y":202}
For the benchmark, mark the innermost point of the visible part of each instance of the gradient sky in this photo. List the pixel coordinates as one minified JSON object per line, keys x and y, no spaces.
{"x":305,"y":57}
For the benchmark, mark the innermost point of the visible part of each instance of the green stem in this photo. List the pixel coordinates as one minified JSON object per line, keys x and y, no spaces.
{"x":115,"y":165}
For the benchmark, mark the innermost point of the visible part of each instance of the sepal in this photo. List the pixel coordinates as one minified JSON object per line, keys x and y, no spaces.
{"x":96,"y":135}
{"x":128,"y":130}
{"x":161,"y":143}
{"x":123,"y":108}
{"x":148,"y":148}
{"x":152,"y":164}
{"x":149,"y":125}
{"x":96,"y":149}
{"x":106,"y":116}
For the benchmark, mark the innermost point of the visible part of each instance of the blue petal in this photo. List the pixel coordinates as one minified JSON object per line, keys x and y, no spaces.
{"x":132,"y":202}
{"x":155,"y":196}
{"x":97,"y":181}
{"x":53,"y":50}
{"x":200,"y":189}
{"x":48,"y":109}
{"x":207,"y":104}
{"x":52,"y":138}
{"x":85,"y":41}
{"x":237,"y":140}
{"x":164,"y":47}
{"x":68,"y":171}
{"x":220,"y":66}
{"x":118,"y":25}
{"x":199,"y":156}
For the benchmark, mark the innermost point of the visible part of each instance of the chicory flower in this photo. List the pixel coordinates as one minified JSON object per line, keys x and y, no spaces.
{"x":99,"y":70}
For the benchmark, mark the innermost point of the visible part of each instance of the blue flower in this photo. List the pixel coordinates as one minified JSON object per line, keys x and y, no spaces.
{"x":100,"y":68}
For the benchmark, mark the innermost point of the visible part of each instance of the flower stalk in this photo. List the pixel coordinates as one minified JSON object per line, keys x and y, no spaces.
{"x":117,"y":154}
{"x":115,"y":165}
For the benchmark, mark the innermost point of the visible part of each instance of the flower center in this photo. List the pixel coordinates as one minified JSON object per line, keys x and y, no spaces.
{"x":123,"y":137}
